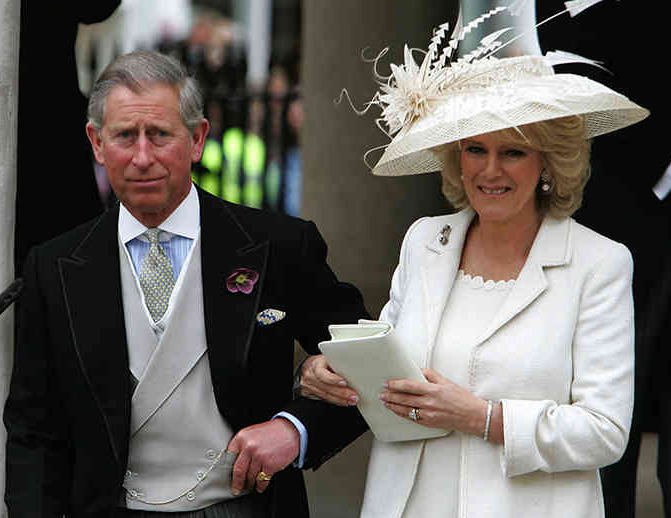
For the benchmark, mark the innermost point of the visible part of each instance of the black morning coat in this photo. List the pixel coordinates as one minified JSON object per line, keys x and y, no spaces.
{"x":68,"y":410}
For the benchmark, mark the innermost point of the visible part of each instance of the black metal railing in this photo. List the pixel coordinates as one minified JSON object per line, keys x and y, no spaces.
{"x":251,"y":156}
{"x":10,"y":295}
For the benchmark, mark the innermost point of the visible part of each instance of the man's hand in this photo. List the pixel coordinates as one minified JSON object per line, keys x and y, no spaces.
{"x":269,"y":447}
{"x":319,"y":381}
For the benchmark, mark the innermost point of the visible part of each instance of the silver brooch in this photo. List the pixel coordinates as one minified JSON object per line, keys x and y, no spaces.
{"x":444,"y":235}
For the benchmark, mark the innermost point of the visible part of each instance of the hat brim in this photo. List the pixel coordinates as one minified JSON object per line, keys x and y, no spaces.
{"x":470,"y":113}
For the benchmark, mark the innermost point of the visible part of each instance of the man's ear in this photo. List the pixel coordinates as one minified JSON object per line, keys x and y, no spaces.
{"x":199,"y":136}
{"x":96,"y":143}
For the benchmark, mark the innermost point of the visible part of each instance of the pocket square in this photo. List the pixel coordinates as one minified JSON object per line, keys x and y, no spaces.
{"x":269,"y":316}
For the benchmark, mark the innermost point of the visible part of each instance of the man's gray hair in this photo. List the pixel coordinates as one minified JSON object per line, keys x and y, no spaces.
{"x":135,"y":69}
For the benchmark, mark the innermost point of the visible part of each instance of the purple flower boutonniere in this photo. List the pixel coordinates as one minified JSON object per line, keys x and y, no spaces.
{"x":243,"y":280}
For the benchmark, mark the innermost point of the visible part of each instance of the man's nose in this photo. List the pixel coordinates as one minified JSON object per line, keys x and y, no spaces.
{"x":143,"y":157}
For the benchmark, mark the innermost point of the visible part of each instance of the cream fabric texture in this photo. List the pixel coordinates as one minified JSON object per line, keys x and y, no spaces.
{"x":173,"y":466}
{"x":559,"y":354}
{"x":470,"y":306}
{"x":490,"y":95}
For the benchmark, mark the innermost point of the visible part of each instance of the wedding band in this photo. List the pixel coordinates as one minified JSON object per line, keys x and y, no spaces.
{"x":414,"y":414}
{"x":262,"y":477}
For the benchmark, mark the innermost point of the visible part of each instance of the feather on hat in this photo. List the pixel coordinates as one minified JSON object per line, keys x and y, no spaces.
{"x":444,"y":100}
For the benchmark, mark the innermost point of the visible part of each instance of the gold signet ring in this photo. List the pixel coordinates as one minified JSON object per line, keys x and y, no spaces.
{"x":262,"y":477}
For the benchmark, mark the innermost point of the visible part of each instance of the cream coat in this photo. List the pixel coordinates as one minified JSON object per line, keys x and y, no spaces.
{"x":559,"y":355}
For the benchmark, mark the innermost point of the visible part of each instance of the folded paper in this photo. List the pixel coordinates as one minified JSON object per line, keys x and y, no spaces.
{"x":368,"y":354}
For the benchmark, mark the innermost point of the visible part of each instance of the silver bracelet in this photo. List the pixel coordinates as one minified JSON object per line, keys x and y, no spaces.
{"x":488,"y":420}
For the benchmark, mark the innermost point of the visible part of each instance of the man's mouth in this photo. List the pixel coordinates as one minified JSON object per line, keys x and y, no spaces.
{"x":147,"y":180}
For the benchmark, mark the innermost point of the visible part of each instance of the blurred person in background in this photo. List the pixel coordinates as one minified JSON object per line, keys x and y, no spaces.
{"x":620,"y":203}
{"x":293,"y":173}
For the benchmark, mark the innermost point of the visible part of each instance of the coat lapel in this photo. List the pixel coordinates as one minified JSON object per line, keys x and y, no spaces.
{"x":550,"y":248}
{"x":92,"y":292}
{"x":439,"y":270}
{"x":230,"y":317}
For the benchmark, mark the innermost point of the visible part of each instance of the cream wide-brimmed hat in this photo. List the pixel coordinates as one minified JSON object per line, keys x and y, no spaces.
{"x":442,"y":101}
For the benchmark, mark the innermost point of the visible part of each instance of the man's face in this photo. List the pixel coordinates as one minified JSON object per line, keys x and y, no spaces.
{"x":147,"y":150}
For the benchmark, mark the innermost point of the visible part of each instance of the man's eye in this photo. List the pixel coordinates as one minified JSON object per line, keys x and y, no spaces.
{"x":158,"y":134}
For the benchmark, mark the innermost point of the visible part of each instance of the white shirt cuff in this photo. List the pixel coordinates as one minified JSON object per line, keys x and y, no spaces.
{"x":302,"y":432}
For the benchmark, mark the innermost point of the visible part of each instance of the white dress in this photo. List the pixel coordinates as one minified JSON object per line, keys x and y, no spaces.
{"x":470,"y":307}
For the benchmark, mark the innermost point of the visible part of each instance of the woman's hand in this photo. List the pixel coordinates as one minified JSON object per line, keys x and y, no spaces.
{"x":441,"y":404}
{"x":319,"y":381}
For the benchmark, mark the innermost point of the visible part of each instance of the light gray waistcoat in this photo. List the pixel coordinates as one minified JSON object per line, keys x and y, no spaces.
{"x":176,"y":459}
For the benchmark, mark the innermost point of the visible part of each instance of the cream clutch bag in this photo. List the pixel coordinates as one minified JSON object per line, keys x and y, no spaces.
{"x":368,"y":354}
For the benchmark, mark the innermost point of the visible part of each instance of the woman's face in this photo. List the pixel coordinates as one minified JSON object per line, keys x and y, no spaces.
{"x":500,"y":179}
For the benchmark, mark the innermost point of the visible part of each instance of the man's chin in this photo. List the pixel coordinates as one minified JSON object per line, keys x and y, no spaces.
{"x":152,"y":206}
{"x":148,"y":203}
{"x":148,"y":209}
{"x":149,"y":185}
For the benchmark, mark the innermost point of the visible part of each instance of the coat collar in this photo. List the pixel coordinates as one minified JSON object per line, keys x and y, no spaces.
{"x":551,"y":248}
{"x":439,"y":268}
{"x":230,"y":318}
{"x":440,"y":264}
{"x":91,"y":284}
{"x":458,"y":225}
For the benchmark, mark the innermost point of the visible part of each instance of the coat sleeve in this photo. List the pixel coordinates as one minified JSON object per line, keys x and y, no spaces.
{"x":37,"y":453}
{"x":321,"y":299}
{"x":592,"y":431}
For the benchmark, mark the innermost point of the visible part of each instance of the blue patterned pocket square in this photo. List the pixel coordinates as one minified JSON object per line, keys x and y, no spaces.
{"x":269,"y":316}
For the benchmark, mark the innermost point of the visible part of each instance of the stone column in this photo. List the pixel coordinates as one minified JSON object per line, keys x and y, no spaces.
{"x":521,"y":26}
{"x":363,"y":218}
{"x":256,"y":17}
{"x":9,"y":89}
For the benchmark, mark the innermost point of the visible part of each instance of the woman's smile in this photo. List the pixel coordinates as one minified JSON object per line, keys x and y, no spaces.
{"x":500,"y":179}
{"x":494,"y":190}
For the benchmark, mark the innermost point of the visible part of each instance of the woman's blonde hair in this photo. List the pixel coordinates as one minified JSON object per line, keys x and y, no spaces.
{"x":564,"y":153}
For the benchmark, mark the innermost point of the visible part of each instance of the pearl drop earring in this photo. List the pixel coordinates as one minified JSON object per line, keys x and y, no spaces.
{"x":545,"y":182}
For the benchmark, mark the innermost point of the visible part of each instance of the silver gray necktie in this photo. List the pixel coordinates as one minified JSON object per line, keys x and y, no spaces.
{"x":156,"y":277}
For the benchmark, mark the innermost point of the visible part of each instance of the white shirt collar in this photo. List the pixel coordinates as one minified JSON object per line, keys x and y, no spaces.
{"x":184,"y":221}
